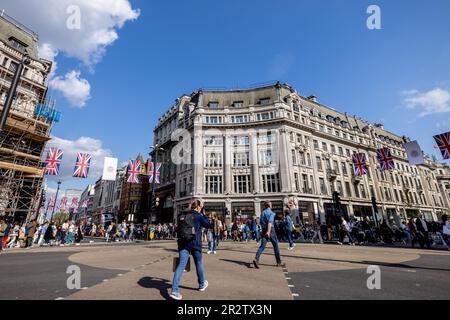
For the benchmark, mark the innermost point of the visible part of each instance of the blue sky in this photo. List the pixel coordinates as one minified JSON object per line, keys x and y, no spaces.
{"x":323,"y":47}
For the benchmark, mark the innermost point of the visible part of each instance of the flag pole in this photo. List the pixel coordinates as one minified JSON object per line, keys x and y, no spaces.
{"x":56,"y":198}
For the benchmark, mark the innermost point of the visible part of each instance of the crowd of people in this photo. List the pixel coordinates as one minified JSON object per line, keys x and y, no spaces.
{"x":415,"y":231}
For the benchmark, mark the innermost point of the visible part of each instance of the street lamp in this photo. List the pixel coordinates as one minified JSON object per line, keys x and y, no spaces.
{"x":155,"y":148}
{"x":12,"y":90}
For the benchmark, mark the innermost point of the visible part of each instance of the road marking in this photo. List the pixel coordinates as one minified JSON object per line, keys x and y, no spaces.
{"x":307,"y":286}
{"x":60,"y":298}
{"x":287,"y":278}
{"x":295,"y":294}
{"x":105,"y":280}
{"x":84,"y":288}
{"x":119,"y":275}
{"x":290,"y":285}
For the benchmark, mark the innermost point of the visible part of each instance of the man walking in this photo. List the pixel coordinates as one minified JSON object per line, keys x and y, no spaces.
{"x":268,"y":234}
{"x":289,"y":225}
{"x":3,"y":227}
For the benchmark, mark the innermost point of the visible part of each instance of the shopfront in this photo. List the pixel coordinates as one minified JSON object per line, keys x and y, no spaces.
{"x":242,"y":211}
{"x":277,"y":207}
{"x":332,"y":216}
{"x":215,"y":207}
{"x":306,"y":213}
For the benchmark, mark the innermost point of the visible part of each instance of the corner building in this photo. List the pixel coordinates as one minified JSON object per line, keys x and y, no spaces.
{"x":237,"y":149}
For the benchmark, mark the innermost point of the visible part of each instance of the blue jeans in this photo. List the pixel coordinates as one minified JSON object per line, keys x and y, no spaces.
{"x":289,"y":237}
{"x":1,"y":243}
{"x":274,"y":240}
{"x":184,"y":256}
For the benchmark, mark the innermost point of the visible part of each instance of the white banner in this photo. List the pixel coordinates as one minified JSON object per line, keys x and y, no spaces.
{"x":415,"y":154}
{"x":109,"y":169}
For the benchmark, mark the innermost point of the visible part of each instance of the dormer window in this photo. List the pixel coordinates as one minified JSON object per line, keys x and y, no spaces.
{"x":238,"y":104}
{"x":213,"y":105}
{"x":17,"y":44}
{"x":264,"y":101}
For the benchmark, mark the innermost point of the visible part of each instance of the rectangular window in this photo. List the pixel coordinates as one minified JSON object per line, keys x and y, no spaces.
{"x":348,"y":190}
{"x":305,"y":183}
{"x":241,"y":140}
{"x":265,"y":116}
{"x":239,"y":119}
{"x":294,"y":157}
{"x":241,"y":159}
{"x":213,"y":184}
{"x":238,"y":104}
{"x":213,"y":141}
{"x":213,"y":160}
{"x":213,"y":105}
{"x":341,"y":151}
{"x":336,"y":166}
{"x":333,"y":148}
{"x":265,"y":158}
{"x":302,"y":158}
{"x":271,"y":183}
{"x":316,"y":144}
{"x":323,"y":187}
{"x":242,"y":184}
{"x":319,"y":164}
{"x":344,"y":168}
{"x":297,"y":183}
{"x":324,"y":146}
{"x":264,"y":101}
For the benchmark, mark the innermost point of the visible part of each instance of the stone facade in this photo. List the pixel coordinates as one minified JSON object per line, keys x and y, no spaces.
{"x":236,"y":149}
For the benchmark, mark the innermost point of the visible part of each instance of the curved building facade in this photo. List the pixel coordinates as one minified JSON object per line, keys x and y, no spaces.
{"x":236,"y":149}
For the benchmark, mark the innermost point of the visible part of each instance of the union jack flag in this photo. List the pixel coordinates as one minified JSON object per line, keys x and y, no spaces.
{"x":63,"y":203}
{"x":82,"y":165}
{"x":53,"y":162}
{"x":74,"y":203}
{"x":359,"y":163}
{"x":85,"y":203}
{"x":152,"y":173}
{"x":134,"y":169}
{"x":443,"y":141}
{"x":384,"y":156}
{"x":75,"y":210}
{"x":51,"y":202}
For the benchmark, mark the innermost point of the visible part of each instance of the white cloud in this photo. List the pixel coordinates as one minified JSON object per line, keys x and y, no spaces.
{"x":99,"y":22}
{"x":75,"y":89}
{"x":92,"y":146}
{"x":436,"y":100}
{"x":98,"y":29}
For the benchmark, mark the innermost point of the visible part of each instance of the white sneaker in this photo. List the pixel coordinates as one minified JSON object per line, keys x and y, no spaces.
{"x":204,"y":286}
{"x":290,"y":248}
{"x":339,"y":243}
{"x":209,"y":252}
{"x":215,"y":252}
{"x":176,"y":296}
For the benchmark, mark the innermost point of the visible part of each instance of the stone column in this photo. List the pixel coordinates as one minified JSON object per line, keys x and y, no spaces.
{"x":254,"y":161}
{"x":283,"y":164}
{"x":227,"y":164}
{"x":197,"y":149}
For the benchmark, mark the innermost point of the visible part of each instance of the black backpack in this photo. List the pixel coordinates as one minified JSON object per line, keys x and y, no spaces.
{"x":186,"y":227}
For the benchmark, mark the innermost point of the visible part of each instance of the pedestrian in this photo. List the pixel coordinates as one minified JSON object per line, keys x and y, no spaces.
{"x":190,"y":243}
{"x":42,"y":234}
{"x":288,"y":224}
{"x":13,"y":237}
{"x":210,"y":234}
{"x":30,"y":235}
{"x":49,"y":235}
{"x":2,"y":233}
{"x":422,"y":232}
{"x":63,"y":233}
{"x":268,"y":234}
{"x":345,"y":230}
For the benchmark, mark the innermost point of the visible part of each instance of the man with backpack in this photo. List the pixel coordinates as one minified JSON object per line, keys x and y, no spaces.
{"x":189,"y":231}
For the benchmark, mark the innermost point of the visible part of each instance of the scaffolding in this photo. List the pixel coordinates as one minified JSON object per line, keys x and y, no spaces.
{"x":22,"y":144}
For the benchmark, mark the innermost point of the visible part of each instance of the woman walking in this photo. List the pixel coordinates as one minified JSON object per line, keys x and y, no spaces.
{"x":190,"y":243}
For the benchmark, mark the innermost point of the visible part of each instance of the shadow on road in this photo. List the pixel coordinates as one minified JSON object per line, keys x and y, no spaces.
{"x":162,"y":285}
{"x":242,"y":263}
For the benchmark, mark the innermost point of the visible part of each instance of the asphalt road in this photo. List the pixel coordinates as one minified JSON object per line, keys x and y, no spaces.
{"x":42,"y":275}
{"x":115,"y":271}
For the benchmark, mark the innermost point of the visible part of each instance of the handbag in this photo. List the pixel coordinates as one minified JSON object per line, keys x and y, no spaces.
{"x":176,"y":262}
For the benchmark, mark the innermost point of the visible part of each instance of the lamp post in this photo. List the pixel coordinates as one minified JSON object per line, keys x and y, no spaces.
{"x":56,"y":198}
{"x":12,"y":90}
{"x":155,"y":148}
